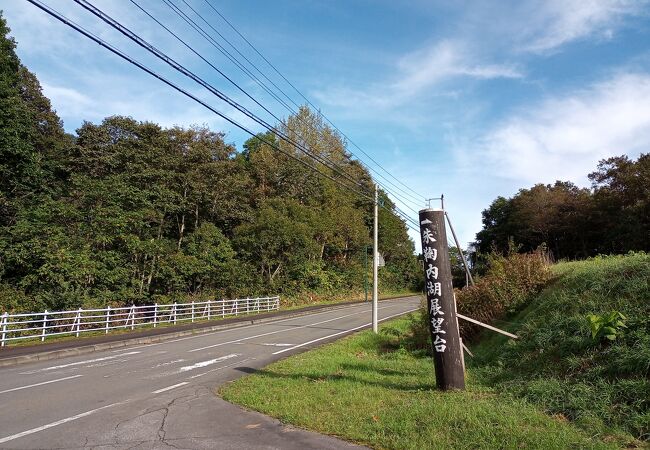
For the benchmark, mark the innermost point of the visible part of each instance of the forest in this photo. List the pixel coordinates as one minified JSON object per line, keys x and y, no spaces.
{"x":128,"y":212}
{"x":611,"y":217}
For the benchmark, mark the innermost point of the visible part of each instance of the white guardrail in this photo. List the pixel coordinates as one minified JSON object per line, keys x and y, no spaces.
{"x":14,"y":327}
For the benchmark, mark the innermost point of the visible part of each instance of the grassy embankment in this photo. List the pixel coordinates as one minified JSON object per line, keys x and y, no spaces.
{"x":553,"y":388}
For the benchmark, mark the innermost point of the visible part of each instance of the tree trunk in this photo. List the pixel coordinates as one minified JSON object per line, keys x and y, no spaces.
{"x":181,"y":230}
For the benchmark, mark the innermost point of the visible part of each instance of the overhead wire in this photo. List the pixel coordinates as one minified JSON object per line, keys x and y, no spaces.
{"x":182,"y":69}
{"x":189,"y":21}
{"x":404,"y":197}
{"x":201,"y":31}
{"x":174,"y":86}
{"x":141,"y":66}
{"x":189,"y":47}
{"x":420,"y":196}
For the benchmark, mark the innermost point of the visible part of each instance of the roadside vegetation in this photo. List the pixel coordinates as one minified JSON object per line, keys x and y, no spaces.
{"x":127,"y":212}
{"x":601,"y":384}
{"x":376,"y":390}
{"x":558,"y":386}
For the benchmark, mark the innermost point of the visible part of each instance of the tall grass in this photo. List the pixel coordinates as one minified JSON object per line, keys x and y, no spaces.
{"x":556,"y":363}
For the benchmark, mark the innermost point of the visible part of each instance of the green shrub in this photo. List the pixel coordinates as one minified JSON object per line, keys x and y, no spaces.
{"x":608,"y":326}
{"x":510,"y":282}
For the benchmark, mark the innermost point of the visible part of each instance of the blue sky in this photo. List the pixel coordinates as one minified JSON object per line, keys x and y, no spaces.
{"x":473,"y":99}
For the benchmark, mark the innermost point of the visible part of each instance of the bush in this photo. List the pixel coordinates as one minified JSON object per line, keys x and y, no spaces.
{"x":510,"y":282}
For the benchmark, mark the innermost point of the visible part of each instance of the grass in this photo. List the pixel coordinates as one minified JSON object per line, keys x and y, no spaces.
{"x":370,"y":390}
{"x":552,"y":388}
{"x":603,"y":387}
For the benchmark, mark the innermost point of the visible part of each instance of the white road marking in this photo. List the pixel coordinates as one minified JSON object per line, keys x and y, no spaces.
{"x":279,"y":331}
{"x":58,"y":422}
{"x":168,"y":388}
{"x":39,"y":384}
{"x":209,"y":362}
{"x":340,"y":332}
{"x":78,"y":363}
{"x":168,"y":363}
{"x":278,"y":345}
{"x":198,"y":336}
{"x":108,"y":363}
{"x":220,"y":368}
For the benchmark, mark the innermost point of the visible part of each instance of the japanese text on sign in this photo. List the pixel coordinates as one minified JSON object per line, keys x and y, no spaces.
{"x":433,"y":289}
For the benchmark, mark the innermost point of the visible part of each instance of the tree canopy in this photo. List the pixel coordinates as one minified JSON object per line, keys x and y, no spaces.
{"x":611,"y":217}
{"x":126,"y":211}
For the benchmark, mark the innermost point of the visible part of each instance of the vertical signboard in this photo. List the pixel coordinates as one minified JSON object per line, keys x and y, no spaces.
{"x":441,"y":307}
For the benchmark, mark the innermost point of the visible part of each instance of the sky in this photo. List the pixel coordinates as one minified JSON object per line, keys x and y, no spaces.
{"x":470,"y":99}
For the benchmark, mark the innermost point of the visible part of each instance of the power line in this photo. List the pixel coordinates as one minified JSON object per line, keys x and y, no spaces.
{"x":206,"y":35}
{"x":304,"y":97}
{"x":144,"y":68}
{"x":233,"y":59}
{"x":223,"y":51}
{"x":141,"y":66}
{"x":291,"y":110}
{"x":180,"y":68}
{"x":204,"y":59}
{"x":116,"y":24}
{"x":149,"y":47}
{"x":240,"y":53}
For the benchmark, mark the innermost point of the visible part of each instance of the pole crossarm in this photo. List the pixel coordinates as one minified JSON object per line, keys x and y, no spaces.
{"x":485,"y":325}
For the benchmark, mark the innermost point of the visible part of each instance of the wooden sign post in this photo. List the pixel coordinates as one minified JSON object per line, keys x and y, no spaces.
{"x":441,"y":305}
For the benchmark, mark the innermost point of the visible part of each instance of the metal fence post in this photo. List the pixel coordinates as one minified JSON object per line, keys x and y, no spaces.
{"x":44,"y":325}
{"x":132,"y":316}
{"x":209,"y":309}
{"x":4,"y":328}
{"x":155,"y":315}
{"x":78,"y":320}
{"x":223,"y":308}
{"x":192,"y":311}
{"x":108,"y":315}
{"x":174,"y":311}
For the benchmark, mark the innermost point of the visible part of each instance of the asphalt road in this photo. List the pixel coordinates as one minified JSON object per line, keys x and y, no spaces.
{"x":162,"y":395}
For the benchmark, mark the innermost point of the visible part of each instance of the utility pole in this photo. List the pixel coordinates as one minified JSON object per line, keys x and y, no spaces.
{"x":375,"y":262}
{"x":441,"y":303}
{"x":365,"y":271}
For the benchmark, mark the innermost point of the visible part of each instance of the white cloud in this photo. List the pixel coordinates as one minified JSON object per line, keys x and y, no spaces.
{"x":444,"y":60}
{"x":547,"y":25}
{"x":420,"y":72}
{"x":68,"y":101}
{"x":564,"y":137}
